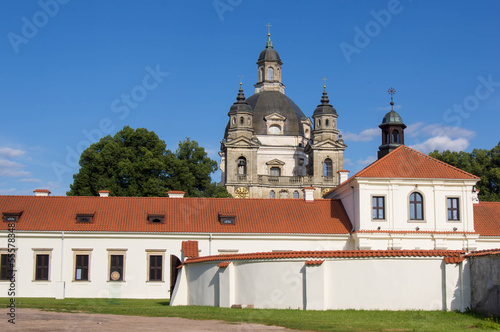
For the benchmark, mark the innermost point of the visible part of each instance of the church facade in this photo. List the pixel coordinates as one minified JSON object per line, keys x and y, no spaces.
{"x":270,"y":148}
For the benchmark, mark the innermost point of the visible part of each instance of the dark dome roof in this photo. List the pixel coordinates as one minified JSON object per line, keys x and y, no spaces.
{"x":268,"y":102}
{"x":269,"y":54}
{"x":325,"y":107}
{"x":392,"y":118}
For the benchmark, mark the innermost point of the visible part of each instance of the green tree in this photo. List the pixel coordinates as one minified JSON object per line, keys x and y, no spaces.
{"x":480,"y":162}
{"x":137,"y":163}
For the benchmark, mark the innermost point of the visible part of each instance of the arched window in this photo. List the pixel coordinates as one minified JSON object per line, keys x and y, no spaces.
{"x":327,"y":123}
{"x":416,"y":207}
{"x":386,"y":137}
{"x":272,"y":194}
{"x":242,"y":121}
{"x":270,"y":73}
{"x":328,"y":168}
{"x":319,"y":123}
{"x":295,"y":194}
{"x":261,"y":74}
{"x":395,"y":136}
{"x":242,"y":166}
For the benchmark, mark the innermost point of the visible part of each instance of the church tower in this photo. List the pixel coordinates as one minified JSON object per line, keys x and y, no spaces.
{"x":392,"y":127}
{"x":327,"y":147}
{"x":270,"y":149}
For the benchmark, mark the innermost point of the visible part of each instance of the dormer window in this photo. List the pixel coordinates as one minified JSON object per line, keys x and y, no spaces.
{"x":156,"y":218}
{"x":227,"y":220}
{"x":84,"y":217}
{"x":11,"y":216}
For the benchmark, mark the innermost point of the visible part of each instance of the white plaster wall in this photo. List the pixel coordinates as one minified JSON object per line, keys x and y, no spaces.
{"x":368,"y":283}
{"x":136,"y":263}
{"x":270,"y":284}
{"x":434,"y":192}
{"x":385,"y":284}
{"x":203,"y":281}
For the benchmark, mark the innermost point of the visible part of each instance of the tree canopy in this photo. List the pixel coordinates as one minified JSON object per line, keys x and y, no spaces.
{"x":137,"y":163}
{"x":480,"y":162}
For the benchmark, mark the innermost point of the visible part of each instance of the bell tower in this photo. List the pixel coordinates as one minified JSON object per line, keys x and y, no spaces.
{"x":269,"y":68}
{"x":392,"y":127}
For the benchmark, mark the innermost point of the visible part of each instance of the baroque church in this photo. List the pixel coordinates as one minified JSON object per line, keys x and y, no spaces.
{"x":271,"y":149}
{"x":406,"y":232}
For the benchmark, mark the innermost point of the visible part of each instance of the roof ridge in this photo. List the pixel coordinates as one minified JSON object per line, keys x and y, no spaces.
{"x":439,"y":161}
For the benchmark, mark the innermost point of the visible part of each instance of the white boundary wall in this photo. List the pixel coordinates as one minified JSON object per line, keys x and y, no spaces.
{"x":395,"y":283}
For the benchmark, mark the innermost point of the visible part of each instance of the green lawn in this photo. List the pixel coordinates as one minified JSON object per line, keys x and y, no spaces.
{"x":338,"y":320}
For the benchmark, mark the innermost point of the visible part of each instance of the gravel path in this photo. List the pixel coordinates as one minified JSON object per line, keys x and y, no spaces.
{"x":38,"y":320}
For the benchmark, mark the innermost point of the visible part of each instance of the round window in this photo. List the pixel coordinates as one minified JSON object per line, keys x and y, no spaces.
{"x":274,"y":129}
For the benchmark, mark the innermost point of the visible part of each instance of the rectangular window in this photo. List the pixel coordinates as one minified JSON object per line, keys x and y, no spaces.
{"x":116,"y":268}
{"x":82,"y":267}
{"x":275,"y":171}
{"x":5,"y":267}
{"x":453,"y":213}
{"x":42,"y":267}
{"x":155,"y":267}
{"x":378,"y":207}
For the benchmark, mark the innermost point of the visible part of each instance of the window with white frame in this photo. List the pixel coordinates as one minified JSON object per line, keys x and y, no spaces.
{"x":378,"y":207}
{"x":416,"y":206}
{"x":453,"y":208}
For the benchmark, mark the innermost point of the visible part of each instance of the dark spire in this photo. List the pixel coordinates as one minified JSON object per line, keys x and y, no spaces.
{"x":324,"y":99}
{"x":392,"y":92}
{"x":241,"y":96}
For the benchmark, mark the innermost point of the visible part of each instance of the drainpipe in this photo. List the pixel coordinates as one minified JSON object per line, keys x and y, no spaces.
{"x":62,"y":255}
{"x":353,"y":213}
{"x":210,"y":245}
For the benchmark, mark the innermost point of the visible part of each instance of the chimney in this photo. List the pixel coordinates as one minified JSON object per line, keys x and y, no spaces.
{"x":343,"y":176}
{"x":176,"y":194}
{"x":309,"y":194}
{"x":41,"y":192}
{"x":190,"y":249}
{"x":104,"y":193}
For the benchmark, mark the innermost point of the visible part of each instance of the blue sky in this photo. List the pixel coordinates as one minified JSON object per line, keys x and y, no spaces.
{"x":74,"y":71}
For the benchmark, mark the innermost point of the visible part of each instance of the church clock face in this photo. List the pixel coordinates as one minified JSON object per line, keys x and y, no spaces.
{"x":242,"y":192}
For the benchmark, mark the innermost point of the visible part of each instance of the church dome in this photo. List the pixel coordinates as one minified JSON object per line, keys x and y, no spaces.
{"x":269,"y":54}
{"x":392,"y":118}
{"x":269,"y":102}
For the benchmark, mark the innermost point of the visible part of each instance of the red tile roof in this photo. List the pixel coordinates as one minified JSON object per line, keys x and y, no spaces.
{"x":224,"y":264}
{"x":196,"y":215}
{"x":41,"y":191}
{"x":190,"y":249}
{"x":484,"y":252}
{"x":314,"y":262}
{"x":176,"y":192}
{"x":487,"y":218}
{"x":453,"y":255}
{"x":405,"y":162}
{"x":411,"y":232}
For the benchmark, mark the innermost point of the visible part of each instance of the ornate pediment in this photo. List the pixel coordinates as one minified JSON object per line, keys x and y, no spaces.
{"x":329,"y":144}
{"x":275,"y":117}
{"x":242,"y":142}
{"x":275,"y":162}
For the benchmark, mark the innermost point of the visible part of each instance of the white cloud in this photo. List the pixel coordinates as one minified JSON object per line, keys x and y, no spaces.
{"x":368,"y":160}
{"x":11,"y":153}
{"x":348,"y":161}
{"x":11,"y":168}
{"x":31,"y":180}
{"x":7,"y":191}
{"x":438,"y":130}
{"x":441,"y":143}
{"x":412,"y":130}
{"x":364,"y":136}
{"x":388,"y":108}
